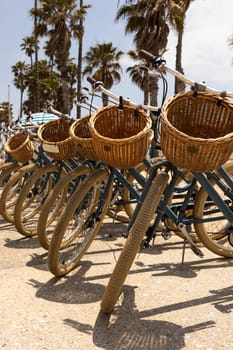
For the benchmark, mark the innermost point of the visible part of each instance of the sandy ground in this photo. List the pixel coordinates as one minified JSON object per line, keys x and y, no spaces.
{"x":164,"y":304}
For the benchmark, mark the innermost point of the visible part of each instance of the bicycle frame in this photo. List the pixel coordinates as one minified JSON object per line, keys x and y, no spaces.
{"x":116,"y":174}
{"x":176,"y":211}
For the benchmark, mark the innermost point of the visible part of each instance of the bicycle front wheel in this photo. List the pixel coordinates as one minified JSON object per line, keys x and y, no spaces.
{"x":133,"y":242}
{"x":32,"y":197}
{"x":55,"y":203}
{"x":79,"y":223}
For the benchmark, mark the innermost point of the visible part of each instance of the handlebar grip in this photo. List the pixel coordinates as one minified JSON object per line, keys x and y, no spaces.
{"x":147,"y":56}
{"x":91,"y":80}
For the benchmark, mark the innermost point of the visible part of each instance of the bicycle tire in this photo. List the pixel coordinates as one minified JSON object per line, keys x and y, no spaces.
{"x":210,"y":233}
{"x":133,"y":242}
{"x":66,"y":250}
{"x":32,"y":197}
{"x":54,"y":203}
{"x":12,"y":190}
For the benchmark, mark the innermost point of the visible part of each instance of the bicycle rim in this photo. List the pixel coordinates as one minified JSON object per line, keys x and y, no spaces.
{"x":32,"y":197}
{"x":55,"y":203}
{"x":77,"y":226}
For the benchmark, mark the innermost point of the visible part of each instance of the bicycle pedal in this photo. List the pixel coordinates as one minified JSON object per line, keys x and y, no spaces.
{"x":166,"y":235}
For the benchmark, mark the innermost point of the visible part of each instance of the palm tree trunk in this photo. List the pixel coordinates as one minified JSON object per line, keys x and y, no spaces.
{"x":179,"y":85}
{"x":37,"y":94}
{"x":79,"y":68}
{"x":21,"y":104}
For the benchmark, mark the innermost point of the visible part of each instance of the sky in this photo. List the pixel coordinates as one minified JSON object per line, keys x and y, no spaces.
{"x":206,"y":53}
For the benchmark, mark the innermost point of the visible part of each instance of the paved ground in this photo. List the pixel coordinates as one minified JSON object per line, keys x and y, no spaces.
{"x":165,"y":305}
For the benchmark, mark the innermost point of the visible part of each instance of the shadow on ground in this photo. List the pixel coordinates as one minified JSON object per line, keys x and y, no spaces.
{"x":128,"y":329}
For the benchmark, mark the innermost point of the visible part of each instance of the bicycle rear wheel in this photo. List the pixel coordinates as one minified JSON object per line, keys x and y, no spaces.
{"x":32,"y":197}
{"x":79,"y":223}
{"x":133,"y":242}
{"x":216,"y":234}
{"x":56,"y":201}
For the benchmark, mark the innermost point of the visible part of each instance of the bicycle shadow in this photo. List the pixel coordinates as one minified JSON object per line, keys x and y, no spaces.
{"x":38,"y":261}
{"x":221,"y":299}
{"x":111,"y":231}
{"x":23,"y":242}
{"x":70,"y":289}
{"x":188,"y":269}
{"x":5,"y":225}
{"x":125,"y":329}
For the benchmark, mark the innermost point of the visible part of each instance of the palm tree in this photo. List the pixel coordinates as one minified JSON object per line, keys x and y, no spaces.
{"x":102,"y":61}
{"x":177,"y":12}
{"x":138,"y":75}
{"x":5,"y":112}
{"x":78,"y":31}
{"x":20,"y":70}
{"x":49,"y":86}
{"x":57,"y":20}
{"x":37,"y":88}
{"x":28,"y":46}
{"x":147,"y":20}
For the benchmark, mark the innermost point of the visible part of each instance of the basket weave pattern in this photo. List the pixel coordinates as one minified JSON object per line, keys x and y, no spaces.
{"x":121,"y":137}
{"x":80,"y":133}
{"x":197,"y":131}
{"x":20,"y":147}
{"x":56,"y":140}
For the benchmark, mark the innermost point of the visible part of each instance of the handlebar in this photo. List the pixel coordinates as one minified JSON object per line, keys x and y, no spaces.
{"x":28,"y":128}
{"x":59,"y":114}
{"x":84,"y":99}
{"x":98,"y":86}
{"x":159,"y":63}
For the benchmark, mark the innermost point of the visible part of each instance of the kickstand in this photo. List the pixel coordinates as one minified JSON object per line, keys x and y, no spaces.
{"x":183,"y":250}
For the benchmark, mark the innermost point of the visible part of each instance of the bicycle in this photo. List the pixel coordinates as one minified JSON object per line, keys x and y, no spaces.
{"x":9,"y":165}
{"x":45,"y":176}
{"x":77,"y":226}
{"x":19,"y":149}
{"x":86,"y":208}
{"x":213,"y":202}
{"x":57,"y":199}
{"x":40,"y":169}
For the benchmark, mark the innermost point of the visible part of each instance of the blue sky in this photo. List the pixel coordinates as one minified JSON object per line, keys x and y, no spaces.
{"x":206,"y":55}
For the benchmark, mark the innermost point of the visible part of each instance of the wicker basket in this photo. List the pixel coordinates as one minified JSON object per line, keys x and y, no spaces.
{"x":121,"y":137}
{"x":20,"y":147}
{"x":80,"y":133}
{"x":197,"y":131}
{"x":56,"y":140}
